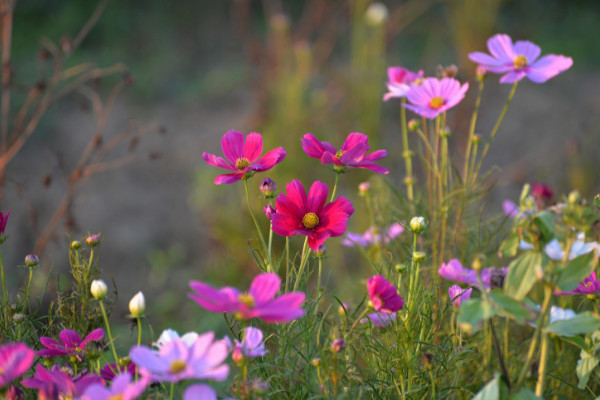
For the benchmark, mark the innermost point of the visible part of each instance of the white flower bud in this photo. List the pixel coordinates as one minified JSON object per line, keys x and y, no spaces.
{"x":98,"y":289}
{"x":417,"y":224}
{"x":376,"y":14}
{"x":137,"y":305}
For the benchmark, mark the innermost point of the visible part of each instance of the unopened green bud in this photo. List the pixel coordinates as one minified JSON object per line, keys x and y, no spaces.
{"x":75,"y":244}
{"x":413,"y":124}
{"x":419,"y":256}
{"x":316,"y":362}
{"x":401,"y":268}
{"x":92,"y":240}
{"x":18,"y":317}
{"x":32,"y":261}
{"x":574,"y":197}
{"x":417,"y":224}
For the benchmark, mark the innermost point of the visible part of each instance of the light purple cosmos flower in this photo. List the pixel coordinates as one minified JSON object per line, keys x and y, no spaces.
{"x":520,"y":60}
{"x":15,"y":360}
{"x":435,"y":96}
{"x":454,"y":271}
{"x":176,"y":361}
{"x":122,"y":388}
{"x":70,"y":343}
{"x":243,"y":157}
{"x":370,"y":237}
{"x":399,"y":81}
{"x":380,"y":319}
{"x":458,"y":295}
{"x":55,"y":383}
{"x":589,"y":285}
{"x":199,"y":391}
{"x":352,"y":154}
{"x":251,"y":346}
{"x":383,"y":295}
{"x":259,"y":302}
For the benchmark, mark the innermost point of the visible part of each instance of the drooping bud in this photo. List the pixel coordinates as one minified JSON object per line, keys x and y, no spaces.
{"x":98,"y":289}
{"x":418,"y":224}
{"x":269,"y":210}
{"x":268,"y":188}
{"x":31,"y":261}
{"x":137,"y":305}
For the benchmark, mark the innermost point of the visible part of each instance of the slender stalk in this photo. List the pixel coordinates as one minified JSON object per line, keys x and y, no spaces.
{"x":262,"y":239}
{"x":412,"y":276}
{"x":287,"y":262}
{"x":3,"y":280}
{"x":495,"y":129}
{"x":26,"y":305}
{"x":337,"y":177}
{"x":172,"y":391}
{"x":112,"y":343}
{"x":270,"y":267}
{"x":539,"y":387}
{"x":139,"y":340}
{"x":406,"y":154}
{"x":304,"y":258}
{"x":319,"y":278}
{"x":498,"y":351}
{"x":472,"y":132}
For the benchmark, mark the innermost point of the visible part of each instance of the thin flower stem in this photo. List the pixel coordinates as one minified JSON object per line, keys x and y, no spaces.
{"x":337,"y":177}
{"x":472,"y":132}
{"x":26,"y":305}
{"x":364,"y":313}
{"x":270,"y":267}
{"x":406,"y":154}
{"x":539,"y":387}
{"x":262,"y":239}
{"x":304,"y":258}
{"x":3,"y":280}
{"x":413,"y":276}
{"x":172,"y":391}
{"x":319,"y":278}
{"x":495,"y":129}
{"x":287,"y":262}
{"x":112,"y":343}
{"x":139,"y":340}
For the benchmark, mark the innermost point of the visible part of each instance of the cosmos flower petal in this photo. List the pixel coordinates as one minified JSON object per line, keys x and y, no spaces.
{"x":253,"y":147}
{"x":530,"y":50}
{"x":501,"y":47}
{"x":317,"y":196}
{"x":217,"y":161}
{"x":223,"y":300}
{"x":354,"y":156}
{"x":548,"y":67}
{"x":232,"y":145}
{"x":513,"y":76}
{"x":69,"y":338}
{"x":315,"y":148}
{"x":199,"y":391}
{"x":269,"y":160}
{"x":96,"y":334}
{"x":354,"y":139}
{"x":264,"y":287}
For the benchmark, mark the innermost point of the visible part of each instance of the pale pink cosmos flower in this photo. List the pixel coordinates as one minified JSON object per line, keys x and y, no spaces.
{"x":175,"y":361}
{"x":70,"y":343}
{"x":122,"y":387}
{"x":383,"y":295}
{"x":435,"y":96}
{"x":251,"y":346}
{"x":399,"y":81}
{"x":55,"y":383}
{"x":170,"y":334}
{"x":243,"y":157}
{"x":371,"y":237}
{"x":259,"y":302}
{"x":520,"y":60}
{"x":200,"y":391}
{"x":454,"y":271}
{"x":352,"y":154}
{"x":380,"y":320}
{"x":458,"y":295}
{"x":15,"y":360}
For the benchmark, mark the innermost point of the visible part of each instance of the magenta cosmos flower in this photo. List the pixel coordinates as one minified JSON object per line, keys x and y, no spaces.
{"x":589,"y":285}
{"x":3,"y":222}
{"x":259,"y":302}
{"x":243,"y":157}
{"x":70,"y":343}
{"x":352,"y":154}
{"x":299,"y":214}
{"x":55,"y":383}
{"x":175,"y":361}
{"x":370,"y":237}
{"x":15,"y":360}
{"x":520,"y":60}
{"x":458,"y":295}
{"x":399,"y":81}
{"x":383,"y":295}
{"x":435,"y":96}
{"x":122,"y":388}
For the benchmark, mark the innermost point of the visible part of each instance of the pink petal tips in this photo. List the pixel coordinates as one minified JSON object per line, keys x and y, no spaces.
{"x":383,"y":295}
{"x":435,"y":96}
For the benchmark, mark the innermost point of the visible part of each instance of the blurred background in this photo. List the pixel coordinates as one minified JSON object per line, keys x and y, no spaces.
{"x":196,"y":69}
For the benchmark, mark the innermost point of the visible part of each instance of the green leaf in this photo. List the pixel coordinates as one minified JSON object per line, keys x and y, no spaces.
{"x":577,"y":341}
{"x":543,"y":221}
{"x":509,"y":247}
{"x":508,"y":307}
{"x":491,"y":391}
{"x":524,"y":394}
{"x":585,"y":366}
{"x":474,"y":311}
{"x":521,"y":275}
{"x":577,"y":270}
{"x":585,"y":322}
{"x":597,"y":200}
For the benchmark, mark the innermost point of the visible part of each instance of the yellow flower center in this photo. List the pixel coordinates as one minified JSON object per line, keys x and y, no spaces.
{"x":242,"y":163}
{"x":520,"y":61}
{"x":339,"y":154}
{"x":436,"y":102}
{"x":177,"y":366}
{"x":310,"y":220}
{"x":247,"y":300}
{"x":116,"y":397}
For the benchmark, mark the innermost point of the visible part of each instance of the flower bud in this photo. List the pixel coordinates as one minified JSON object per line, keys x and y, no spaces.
{"x":321,"y":251}
{"x":450,"y":71}
{"x":92,"y":240}
{"x":31,"y":260}
{"x":18,"y":317}
{"x":376,"y":14}
{"x":344,"y":309}
{"x":480,"y":72}
{"x":574,"y":197}
{"x":445,"y":132}
{"x":413,"y":124}
{"x":75,"y":244}
{"x":137,"y":305}
{"x":364,"y":188}
{"x":476,"y":138}
{"x":269,"y":210}
{"x":417,"y":224}
{"x":338,"y":345}
{"x":400,"y":268}
{"x":316,"y":362}
{"x":419,"y":256}
{"x":268,"y":188}
{"x":98,"y":289}
{"x":237,"y":356}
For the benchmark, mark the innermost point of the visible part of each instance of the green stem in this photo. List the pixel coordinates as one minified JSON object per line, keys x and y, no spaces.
{"x":413,"y":276}
{"x":495,"y":129}
{"x":287,"y":262}
{"x":305,"y":252}
{"x":139,"y":340}
{"x":406,"y":154}
{"x":112,"y":343}
{"x":28,"y":287}
{"x":262,"y":239}
{"x":539,"y":387}
{"x":319,"y":278}
{"x":3,"y":280}
{"x":472,"y":132}
{"x":270,"y":267}
{"x":337,"y":177}
{"x":172,"y":391}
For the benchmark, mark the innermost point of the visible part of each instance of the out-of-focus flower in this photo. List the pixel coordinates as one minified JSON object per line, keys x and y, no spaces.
{"x":15,"y":360}
{"x":371,"y":237}
{"x":3,"y":221}
{"x":251,"y":346}
{"x":454,"y":271}
{"x":589,"y":285}
{"x":399,"y":81}
{"x":56,"y":384}
{"x":259,"y":302}
{"x":268,"y":187}
{"x":111,"y":370}
{"x":98,"y":289}
{"x":269,"y":210}
{"x":169,"y":335}
{"x":14,"y":393}
{"x":380,"y":320}
{"x":122,"y":388}
{"x":542,"y":194}
{"x":458,"y":295}
{"x":70,"y":343}
{"x":199,"y":391}
{"x":555,"y":251}
{"x":92,"y":240}
{"x":417,"y":224}
{"x":511,"y":209}
{"x":364,"y":188}
{"x":137,"y":305}
{"x":351,"y":155}
{"x":383,"y":295}
{"x":337,"y":345}
{"x":243,"y":157}
{"x":435,"y":96}
{"x":520,"y":60}
{"x":376,"y":13}
{"x":299,"y":214}
{"x":31,"y":261}
{"x":176,"y":361}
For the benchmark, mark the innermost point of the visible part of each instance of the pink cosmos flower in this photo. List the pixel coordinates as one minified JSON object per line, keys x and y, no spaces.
{"x":399,"y":81}
{"x":352,"y":154}
{"x":251,"y":346}
{"x":299,"y":214}
{"x":370,"y":237}
{"x":458,"y":295}
{"x":15,"y":360}
{"x":243,"y":157}
{"x":590,"y":285}
{"x":110,"y":371}
{"x":435,"y":96}
{"x":380,"y":320}
{"x":122,"y":388}
{"x":70,"y":343}
{"x":520,"y":60}
{"x":454,"y":271}
{"x":259,"y":302}
{"x":176,"y":361}
{"x":384,"y":296}
{"x":199,"y":391}
{"x":3,"y":222}
{"x":55,"y":383}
